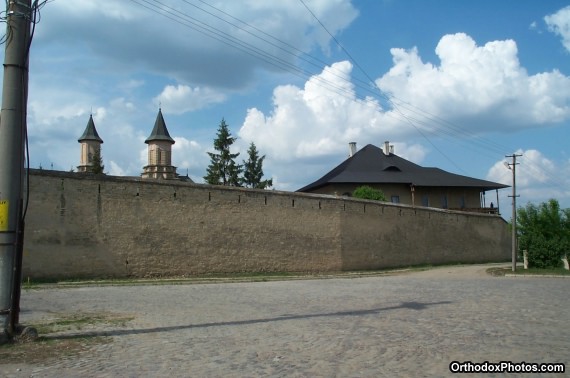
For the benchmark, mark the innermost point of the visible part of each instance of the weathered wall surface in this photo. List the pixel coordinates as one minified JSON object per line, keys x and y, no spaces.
{"x":83,"y":226}
{"x":392,"y":236}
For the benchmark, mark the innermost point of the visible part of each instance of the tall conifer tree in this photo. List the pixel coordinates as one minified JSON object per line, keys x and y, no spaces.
{"x":97,"y":161}
{"x":223,"y":169}
{"x":253,"y":170}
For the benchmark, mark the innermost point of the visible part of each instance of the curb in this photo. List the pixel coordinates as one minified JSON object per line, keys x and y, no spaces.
{"x":537,"y":275}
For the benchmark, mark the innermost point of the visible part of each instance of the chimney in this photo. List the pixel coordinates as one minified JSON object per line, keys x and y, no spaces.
{"x":351,"y":149}
{"x":387,"y":148}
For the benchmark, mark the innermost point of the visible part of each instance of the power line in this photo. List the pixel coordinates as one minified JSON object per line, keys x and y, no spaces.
{"x":454,"y":130}
{"x":254,"y":51}
{"x":430,"y":124}
{"x":243,"y":46}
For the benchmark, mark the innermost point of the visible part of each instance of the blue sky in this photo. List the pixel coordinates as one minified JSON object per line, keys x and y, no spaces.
{"x":452,"y":84}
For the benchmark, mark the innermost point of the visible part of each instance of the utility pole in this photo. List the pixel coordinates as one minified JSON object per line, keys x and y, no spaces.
{"x":514,"y":195}
{"x":12,"y":137}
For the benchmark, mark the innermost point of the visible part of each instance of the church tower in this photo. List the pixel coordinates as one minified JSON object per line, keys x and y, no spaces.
{"x":159,"y":152}
{"x":90,"y":147}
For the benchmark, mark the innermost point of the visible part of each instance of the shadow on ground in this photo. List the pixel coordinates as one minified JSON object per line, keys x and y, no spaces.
{"x":417,"y":306}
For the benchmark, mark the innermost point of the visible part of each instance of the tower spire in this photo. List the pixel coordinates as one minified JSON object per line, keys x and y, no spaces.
{"x":90,"y":146}
{"x":159,"y":152}
{"x":159,"y":132}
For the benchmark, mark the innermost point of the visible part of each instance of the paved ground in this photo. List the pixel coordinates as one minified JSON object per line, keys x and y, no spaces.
{"x":404,"y":325}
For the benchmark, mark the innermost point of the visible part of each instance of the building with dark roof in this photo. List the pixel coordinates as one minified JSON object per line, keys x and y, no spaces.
{"x":90,"y":146}
{"x":405,"y":182}
{"x":159,"y":152}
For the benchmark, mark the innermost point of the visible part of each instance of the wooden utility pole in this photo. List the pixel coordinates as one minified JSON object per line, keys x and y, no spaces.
{"x":12,"y":138}
{"x":514,"y":195}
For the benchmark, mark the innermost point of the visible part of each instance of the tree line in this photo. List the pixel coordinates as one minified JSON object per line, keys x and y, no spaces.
{"x":544,"y":232}
{"x":223,"y":168}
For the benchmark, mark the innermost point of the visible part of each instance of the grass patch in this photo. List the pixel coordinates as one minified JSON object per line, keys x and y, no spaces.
{"x":221,"y":277}
{"x":77,"y":322}
{"x":163,"y":280}
{"x":48,"y":346}
{"x":536,"y":271}
{"x":227,"y":277}
{"x":502,"y":271}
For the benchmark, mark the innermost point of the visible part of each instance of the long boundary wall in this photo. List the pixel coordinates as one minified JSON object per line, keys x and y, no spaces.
{"x":81,"y":225}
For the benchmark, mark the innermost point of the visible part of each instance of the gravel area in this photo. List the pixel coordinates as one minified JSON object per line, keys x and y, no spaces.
{"x":410,"y":324}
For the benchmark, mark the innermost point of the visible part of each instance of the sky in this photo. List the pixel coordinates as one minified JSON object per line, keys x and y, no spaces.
{"x":457,"y":85}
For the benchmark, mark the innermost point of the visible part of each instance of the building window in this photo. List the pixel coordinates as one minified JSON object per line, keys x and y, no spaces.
{"x":462,"y":202}
{"x":425,"y":201}
{"x":395,"y":199}
{"x":444,"y":201}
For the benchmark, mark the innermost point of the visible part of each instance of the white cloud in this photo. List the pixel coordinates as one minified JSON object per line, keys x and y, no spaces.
{"x":483,"y":87}
{"x":318,"y":120}
{"x":538,"y":178}
{"x":54,"y":129}
{"x":412,"y":152}
{"x":115,"y":65}
{"x":314,"y":125}
{"x":533,"y":25}
{"x":122,"y":104}
{"x":106,"y":8}
{"x":532,"y":169}
{"x":130,"y":85}
{"x":114,"y":169}
{"x":123,"y":36}
{"x":182,"y":98}
{"x":189,"y":155}
{"x":559,"y":24}
{"x":49,"y":108}
{"x":143,"y":157}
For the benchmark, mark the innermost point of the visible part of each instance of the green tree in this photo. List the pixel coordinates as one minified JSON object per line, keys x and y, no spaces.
{"x":223,"y":169}
{"x":367,"y":192}
{"x":544,"y":231}
{"x":97,"y":162}
{"x":253,"y":170}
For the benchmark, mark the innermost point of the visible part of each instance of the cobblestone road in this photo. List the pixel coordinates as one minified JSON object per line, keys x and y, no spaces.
{"x":412,"y":324}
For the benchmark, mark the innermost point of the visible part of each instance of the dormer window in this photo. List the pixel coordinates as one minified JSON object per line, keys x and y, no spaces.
{"x":392,"y":168}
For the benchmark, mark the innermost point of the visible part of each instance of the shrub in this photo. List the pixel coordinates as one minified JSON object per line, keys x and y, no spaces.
{"x":544,"y":231}
{"x":545,"y":253}
{"x":367,"y":192}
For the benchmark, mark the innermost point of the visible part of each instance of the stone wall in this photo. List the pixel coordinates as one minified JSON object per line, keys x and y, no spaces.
{"x":81,"y":225}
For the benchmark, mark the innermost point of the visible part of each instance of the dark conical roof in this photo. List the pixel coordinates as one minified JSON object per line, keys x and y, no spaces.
{"x":159,"y":132}
{"x":90,"y":132}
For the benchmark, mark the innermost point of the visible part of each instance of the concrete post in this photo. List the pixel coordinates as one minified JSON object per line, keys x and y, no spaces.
{"x":513,"y":166}
{"x":12,"y":137}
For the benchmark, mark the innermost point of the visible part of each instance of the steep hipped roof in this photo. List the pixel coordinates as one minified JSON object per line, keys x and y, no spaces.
{"x":90,"y":132}
{"x":371,"y":166}
{"x":159,"y":132}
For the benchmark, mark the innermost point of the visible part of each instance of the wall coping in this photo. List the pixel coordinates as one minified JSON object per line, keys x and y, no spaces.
{"x":88,"y":176}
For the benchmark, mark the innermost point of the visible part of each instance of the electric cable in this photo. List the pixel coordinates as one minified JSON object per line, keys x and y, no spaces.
{"x":432,"y":125}
{"x":494,"y":145}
